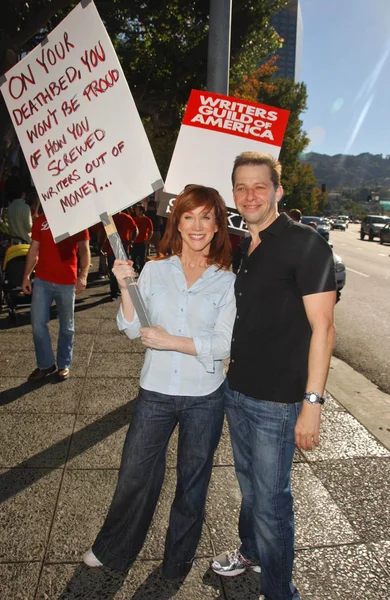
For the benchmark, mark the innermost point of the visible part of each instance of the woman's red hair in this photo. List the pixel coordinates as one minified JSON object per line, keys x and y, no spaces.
{"x":195,"y":196}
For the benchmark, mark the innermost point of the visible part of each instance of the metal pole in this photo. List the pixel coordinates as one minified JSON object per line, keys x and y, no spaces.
{"x":218,"y":58}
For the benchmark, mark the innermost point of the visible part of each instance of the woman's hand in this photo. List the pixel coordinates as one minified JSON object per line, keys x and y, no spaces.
{"x":123,"y":269}
{"x":156,"y":337}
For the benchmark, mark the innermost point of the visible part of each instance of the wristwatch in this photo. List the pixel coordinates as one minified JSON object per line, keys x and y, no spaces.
{"x":313,"y":398}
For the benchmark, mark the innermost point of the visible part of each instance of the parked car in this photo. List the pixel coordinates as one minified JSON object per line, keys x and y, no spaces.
{"x":340,"y":272}
{"x":384,"y":235}
{"x":322,"y":227}
{"x":372,"y":226}
{"x":339,"y":224}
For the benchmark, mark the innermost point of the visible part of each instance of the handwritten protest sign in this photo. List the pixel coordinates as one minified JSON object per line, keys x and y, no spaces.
{"x":78,"y":125}
{"x":215,"y":129}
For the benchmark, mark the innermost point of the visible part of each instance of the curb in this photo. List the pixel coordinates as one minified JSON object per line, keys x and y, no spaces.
{"x":361,"y":398}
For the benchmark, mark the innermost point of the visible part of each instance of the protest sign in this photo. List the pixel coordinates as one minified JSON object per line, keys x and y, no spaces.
{"x":78,"y":125}
{"x":215,"y":129}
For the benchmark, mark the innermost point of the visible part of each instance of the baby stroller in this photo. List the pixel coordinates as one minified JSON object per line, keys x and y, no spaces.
{"x":11,"y":279}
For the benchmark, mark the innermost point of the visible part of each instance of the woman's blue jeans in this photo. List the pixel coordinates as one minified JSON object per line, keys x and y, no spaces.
{"x":262,"y":435}
{"x":44,"y":293}
{"x":141,"y":475}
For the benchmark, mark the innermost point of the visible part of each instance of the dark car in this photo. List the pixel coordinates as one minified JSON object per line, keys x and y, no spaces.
{"x":322,"y":226}
{"x":384,"y":235}
{"x":372,"y":226}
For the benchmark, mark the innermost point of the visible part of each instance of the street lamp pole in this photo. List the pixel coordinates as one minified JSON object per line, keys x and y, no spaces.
{"x":218,"y":58}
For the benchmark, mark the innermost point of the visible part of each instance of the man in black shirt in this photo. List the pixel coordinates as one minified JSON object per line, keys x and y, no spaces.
{"x":281,"y":348}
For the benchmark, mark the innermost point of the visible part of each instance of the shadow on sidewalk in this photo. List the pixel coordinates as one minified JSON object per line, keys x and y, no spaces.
{"x":12,"y":394}
{"x":156,"y":587}
{"x":244,"y":586}
{"x":93,"y":584}
{"x":84,"y":304}
{"x":29,"y":471}
{"x":103,"y":583}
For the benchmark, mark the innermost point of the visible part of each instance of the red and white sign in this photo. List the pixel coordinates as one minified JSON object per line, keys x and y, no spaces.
{"x":216,"y":129}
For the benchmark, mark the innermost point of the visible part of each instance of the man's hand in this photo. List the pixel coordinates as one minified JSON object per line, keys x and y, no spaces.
{"x":156,"y":337}
{"x":26,"y":285}
{"x":81,"y":284}
{"x":307,"y":429}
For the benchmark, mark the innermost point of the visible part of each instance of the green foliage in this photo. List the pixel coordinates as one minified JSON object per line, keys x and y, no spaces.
{"x":322,"y":200}
{"x":298,"y":180}
{"x":162,"y":47}
{"x":253,"y":38}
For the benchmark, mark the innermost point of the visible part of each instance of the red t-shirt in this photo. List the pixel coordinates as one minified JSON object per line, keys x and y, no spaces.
{"x":125,"y":227}
{"x":57,"y":263}
{"x":144,"y":225}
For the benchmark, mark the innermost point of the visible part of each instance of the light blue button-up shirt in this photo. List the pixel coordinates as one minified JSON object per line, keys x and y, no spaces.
{"x":205,"y":312}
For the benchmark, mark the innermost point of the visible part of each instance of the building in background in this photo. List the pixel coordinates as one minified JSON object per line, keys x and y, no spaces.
{"x":289,"y":25}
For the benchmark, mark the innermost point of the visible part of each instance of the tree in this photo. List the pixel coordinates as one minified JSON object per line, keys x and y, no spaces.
{"x":251,"y":85}
{"x":303,"y":193}
{"x":322,"y":199}
{"x":298,"y":180}
{"x":162,"y":48}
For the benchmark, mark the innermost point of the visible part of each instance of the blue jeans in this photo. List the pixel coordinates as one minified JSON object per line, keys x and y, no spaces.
{"x":141,"y":475}
{"x":262,"y":435}
{"x":44,"y":293}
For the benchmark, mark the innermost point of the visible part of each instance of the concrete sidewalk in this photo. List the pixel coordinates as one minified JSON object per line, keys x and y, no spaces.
{"x":59,"y":458}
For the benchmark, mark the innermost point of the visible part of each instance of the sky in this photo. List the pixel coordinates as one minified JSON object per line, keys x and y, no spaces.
{"x":346,"y":67}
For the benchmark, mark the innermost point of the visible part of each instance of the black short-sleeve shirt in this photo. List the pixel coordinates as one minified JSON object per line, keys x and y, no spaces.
{"x":271,"y":335}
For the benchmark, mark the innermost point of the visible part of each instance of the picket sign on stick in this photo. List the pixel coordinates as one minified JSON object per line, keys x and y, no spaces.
{"x":119,"y":252}
{"x":215,"y":129}
{"x":79,"y":129}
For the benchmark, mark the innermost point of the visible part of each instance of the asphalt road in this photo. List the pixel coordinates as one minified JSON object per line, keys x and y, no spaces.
{"x":363,"y":313}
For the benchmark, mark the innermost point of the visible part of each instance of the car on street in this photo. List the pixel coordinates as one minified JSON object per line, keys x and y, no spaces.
{"x":322,"y":227}
{"x":343,"y":218}
{"x":339,"y":224}
{"x":384,"y":235}
{"x":340,"y":272}
{"x":372,"y":226}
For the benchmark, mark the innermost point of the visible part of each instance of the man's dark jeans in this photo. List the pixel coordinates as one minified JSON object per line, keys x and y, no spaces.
{"x":138,"y":256}
{"x":141,"y":475}
{"x":114,"y":288}
{"x":262,"y":435}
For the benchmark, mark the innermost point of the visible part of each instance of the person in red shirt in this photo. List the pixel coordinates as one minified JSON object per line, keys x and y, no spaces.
{"x":145,"y":232}
{"x":55,"y":279}
{"x":127,"y":230}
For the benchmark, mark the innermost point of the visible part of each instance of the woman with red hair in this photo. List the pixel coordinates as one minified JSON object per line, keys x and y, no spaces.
{"x":189,"y":296}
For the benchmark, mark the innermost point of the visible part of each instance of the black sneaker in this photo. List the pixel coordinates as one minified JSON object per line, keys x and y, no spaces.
{"x":230,"y":564}
{"x":38,"y":374}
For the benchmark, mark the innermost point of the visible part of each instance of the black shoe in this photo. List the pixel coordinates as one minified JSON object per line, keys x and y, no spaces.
{"x":39,"y":374}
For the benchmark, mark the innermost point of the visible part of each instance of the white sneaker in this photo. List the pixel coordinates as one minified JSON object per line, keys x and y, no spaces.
{"x":230,"y":564}
{"x":90,"y":559}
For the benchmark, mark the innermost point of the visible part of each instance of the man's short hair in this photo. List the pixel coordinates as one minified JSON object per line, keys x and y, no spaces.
{"x":257,"y":159}
{"x":140,"y":207}
{"x":152,"y":204}
{"x":295,"y":214}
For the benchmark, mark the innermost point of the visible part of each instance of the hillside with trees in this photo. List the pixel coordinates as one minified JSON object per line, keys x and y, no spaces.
{"x":347,"y":171}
